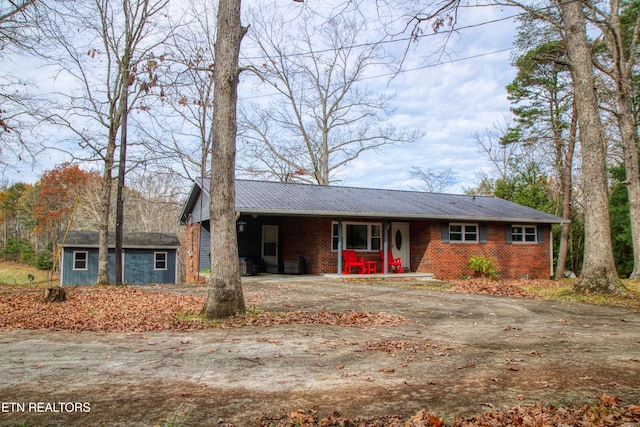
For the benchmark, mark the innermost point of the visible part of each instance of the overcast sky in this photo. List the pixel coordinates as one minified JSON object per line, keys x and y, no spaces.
{"x":450,"y":102}
{"x":449,"y":98}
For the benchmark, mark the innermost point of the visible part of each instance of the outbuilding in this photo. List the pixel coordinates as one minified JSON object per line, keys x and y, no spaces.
{"x":148,"y":258}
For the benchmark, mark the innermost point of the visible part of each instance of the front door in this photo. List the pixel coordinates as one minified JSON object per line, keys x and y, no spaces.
{"x":400,"y":242}
{"x":270,"y":244}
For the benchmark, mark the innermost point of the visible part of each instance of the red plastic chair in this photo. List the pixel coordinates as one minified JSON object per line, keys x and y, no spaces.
{"x":350,"y":260}
{"x":395,"y":264}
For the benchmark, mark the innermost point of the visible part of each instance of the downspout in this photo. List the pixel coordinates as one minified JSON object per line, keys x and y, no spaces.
{"x":552,"y":273}
{"x":385,"y":239}
{"x":339,"y":245}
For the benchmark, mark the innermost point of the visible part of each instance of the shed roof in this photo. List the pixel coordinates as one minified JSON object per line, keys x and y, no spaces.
{"x":90,"y":238}
{"x":283,"y":198}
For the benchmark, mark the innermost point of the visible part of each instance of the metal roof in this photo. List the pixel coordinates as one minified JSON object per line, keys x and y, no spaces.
{"x":283,"y":198}
{"x":90,"y":238}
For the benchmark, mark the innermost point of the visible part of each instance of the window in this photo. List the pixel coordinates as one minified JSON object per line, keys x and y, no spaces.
{"x":361,"y":236}
{"x":524,"y":234}
{"x":80,"y":260}
{"x":160,"y":261}
{"x":463,"y":232}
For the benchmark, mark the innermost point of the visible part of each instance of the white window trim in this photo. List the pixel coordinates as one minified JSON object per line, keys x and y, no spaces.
{"x":464,"y":225}
{"x":86,"y":260}
{"x":155,"y":261}
{"x":344,"y":235}
{"x":524,"y":234}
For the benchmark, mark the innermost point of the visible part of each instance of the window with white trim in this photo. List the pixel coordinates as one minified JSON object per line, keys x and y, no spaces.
{"x":160,"y":261}
{"x":360,"y":236}
{"x":463,"y":232}
{"x":80,"y":260}
{"x":524,"y":234}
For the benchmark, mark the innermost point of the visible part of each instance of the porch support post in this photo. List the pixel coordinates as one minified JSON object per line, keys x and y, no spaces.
{"x":339,"y":245}
{"x":385,"y":245}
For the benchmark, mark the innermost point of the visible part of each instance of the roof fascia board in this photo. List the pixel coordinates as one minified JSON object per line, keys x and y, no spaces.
{"x":80,"y":245}
{"x":399,"y":216}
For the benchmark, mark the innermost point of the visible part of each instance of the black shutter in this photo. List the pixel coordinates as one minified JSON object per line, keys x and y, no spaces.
{"x":483,"y":232}
{"x":509,"y":234}
{"x":541,"y":229}
{"x":445,"y":232}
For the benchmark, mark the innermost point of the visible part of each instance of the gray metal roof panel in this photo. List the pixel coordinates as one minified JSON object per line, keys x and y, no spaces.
{"x":90,"y":238}
{"x":304,"y":199}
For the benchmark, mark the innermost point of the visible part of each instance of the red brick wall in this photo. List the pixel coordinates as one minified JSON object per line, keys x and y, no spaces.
{"x":191,"y":248}
{"x":449,"y":260}
{"x":311,"y":238}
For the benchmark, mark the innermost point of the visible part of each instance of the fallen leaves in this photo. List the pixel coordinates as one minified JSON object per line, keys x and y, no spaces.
{"x":506,"y":288}
{"x":129,"y":309}
{"x":347,"y":318}
{"x":107,"y":309}
{"x":606,"y":412}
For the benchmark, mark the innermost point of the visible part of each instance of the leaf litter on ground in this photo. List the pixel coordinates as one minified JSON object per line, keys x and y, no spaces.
{"x":127,"y":309}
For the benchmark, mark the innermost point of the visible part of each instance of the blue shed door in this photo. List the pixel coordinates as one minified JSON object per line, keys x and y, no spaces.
{"x":143,"y":267}
{"x":137,"y":267}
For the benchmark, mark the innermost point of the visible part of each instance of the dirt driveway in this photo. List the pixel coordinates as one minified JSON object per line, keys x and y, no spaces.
{"x":456,"y":355}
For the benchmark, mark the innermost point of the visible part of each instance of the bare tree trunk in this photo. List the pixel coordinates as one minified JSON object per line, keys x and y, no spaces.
{"x":599,"y":270}
{"x":123,"y":112}
{"x":225,"y":296}
{"x":105,"y":207}
{"x":567,"y":194}
{"x":630,"y":151}
{"x":628,"y":131}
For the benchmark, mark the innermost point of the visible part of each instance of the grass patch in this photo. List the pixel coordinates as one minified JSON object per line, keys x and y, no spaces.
{"x":432,"y":286}
{"x":18,"y":275}
{"x":563,"y":291}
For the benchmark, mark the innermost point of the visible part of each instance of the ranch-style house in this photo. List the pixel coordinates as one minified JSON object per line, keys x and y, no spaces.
{"x":300,"y":228}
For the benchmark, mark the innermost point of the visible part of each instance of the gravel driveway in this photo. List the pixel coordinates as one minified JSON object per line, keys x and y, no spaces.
{"x":457,"y":355}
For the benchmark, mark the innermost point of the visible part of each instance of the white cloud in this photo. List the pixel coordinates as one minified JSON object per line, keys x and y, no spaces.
{"x":450,"y":102}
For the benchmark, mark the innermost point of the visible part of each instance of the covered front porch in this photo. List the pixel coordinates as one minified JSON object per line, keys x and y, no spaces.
{"x":278,"y":243}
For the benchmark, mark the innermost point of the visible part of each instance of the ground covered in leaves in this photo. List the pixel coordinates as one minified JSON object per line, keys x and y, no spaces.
{"x":370,"y":325}
{"x":127,"y":309}
{"x":607,"y":412}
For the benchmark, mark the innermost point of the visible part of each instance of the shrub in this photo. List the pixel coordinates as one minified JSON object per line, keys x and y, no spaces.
{"x":44,"y":261}
{"x":486,"y":266}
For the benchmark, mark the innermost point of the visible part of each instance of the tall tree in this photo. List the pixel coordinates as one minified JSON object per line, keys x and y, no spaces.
{"x":543,"y":97}
{"x":619,"y":23}
{"x":20,"y":110}
{"x":324,"y":115}
{"x":434,"y":181}
{"x":598,"y":271}
{"x":180,"y":139}
{"x":113,"y":64}
{"x":225,"y":297}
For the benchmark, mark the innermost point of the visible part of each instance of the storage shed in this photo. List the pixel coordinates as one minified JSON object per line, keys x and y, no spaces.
{"x":148,"y":258}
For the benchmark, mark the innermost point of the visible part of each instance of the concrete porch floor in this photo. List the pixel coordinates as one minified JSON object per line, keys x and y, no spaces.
{"x":413,"y":276}
{"x":335,"y":276}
